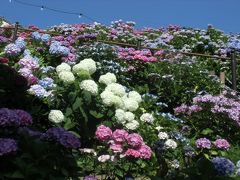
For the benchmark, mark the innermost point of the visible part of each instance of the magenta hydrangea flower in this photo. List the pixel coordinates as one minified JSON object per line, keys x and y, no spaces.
{"x":145,"y":152}
{"x":119,"y":135}
{"x":134,"y":140}
{"x":132,"y":153}
{"x":103,"y":133}
{"x":222,"y":144}
{"x":203,"y":143}
{"x":116,"y":148}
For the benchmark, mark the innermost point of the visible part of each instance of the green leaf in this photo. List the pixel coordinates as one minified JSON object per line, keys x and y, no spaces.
{"x":69,"y":124}
{"x":76,"y":104}
{"x":96,"y":114}
{"x":207,"y":131}
{"x":68,"y":111}
{"x":214,"y":152}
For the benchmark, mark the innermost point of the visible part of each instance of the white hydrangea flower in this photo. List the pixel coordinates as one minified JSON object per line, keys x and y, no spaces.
{"x":162,"y":135}
{"x":132,"y":125}
{"x":56,"y":116}
{"x":135,"y":95}
{"x":91,"y":64}
{"x":108,"y":78}
{"x":116,"y":89}
{"x":107,"y":98}
{"x":117,"y":101}
{"x":130,"y":104}
{"x":104,"y":158}
{"x":170,"y":144}
{"x":129,"y":116}
{"x":63,"y":67}
{"x":147,"y":117}
{"x":66,"y":76}
{"x":90,"y":86}
{"x":120,"y":115}
{"x":77,"y":68}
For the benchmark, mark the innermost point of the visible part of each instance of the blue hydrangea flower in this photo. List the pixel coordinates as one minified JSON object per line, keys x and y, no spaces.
{"x":20,"y":43}
{"x":57,"y":49}
{"x":223,"y":166}
{"x":38,"y":90}
{"x":45,"y":38}
{"x":46,"y":82}
{"x":47,"y":69}
{"x":27,"y":52}
{"x":234,"y":44}
{"x":36,"y":36}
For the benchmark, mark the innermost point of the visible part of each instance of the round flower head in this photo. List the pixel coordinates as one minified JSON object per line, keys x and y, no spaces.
{"x":135,"y":140}
{"x":36,"y":35}
{"x":12,"y":50}
{"x":88,"y":65}
{"x":63,"y":67}
{"x":89,"y":86}
{"x":223,"y":166}
{"x":7,"y":146}
{"x":129,"y":116}
{"x":116,"y":89}
{"x":130,"y":104}
{"x":25,"y":117}
{"x":132,"y":153}
{"x":162,"y":135}
{"x":203,"y":143}
{"x":103,"y":133}
{"x":170,"y":144}
{"x":147,"y":117}
{"x":108,"y":78}
{"x":20,"y":43}
{"x":66,"y":77}
{"x":132,"y":125}
{"x":119,"y":135}
{"x":56,"y":116}
{"x":222,"y":144}
{"x":120,"y":116}
{"x":46,"y":82}
{"x":8,"y":118}
{"x":145,"y":152}
{"x":38,"y":90}
{"x":45,"y":38}
{"x":135,"y":95}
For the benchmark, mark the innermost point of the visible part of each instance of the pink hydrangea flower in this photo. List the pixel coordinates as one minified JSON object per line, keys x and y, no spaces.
{"x":119,"y":135}
{"x":145,"y":152}
{"x":134,"y":140}
{"x":116,"y":148}
{"x":222,"y":144}
{"x":132,"y":153}
{"x":103,"y":133}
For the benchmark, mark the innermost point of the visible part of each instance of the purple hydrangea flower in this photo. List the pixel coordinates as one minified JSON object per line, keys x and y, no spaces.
{"x":7,"y":146}
{"x":12,"y":50}
{"x":29,"y":62}
{"x":223,"y":166}
{"x":20,"y":43}
{"x":222,"y":144}
{"x":3,"y":39}
{"x":203,"y":143}
{"x":8,"y":118}
{"x":25,"y":117}
{"x":62,"y":137}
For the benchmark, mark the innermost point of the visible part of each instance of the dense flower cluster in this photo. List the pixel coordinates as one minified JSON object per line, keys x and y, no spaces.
{"x":129,"y":145}
{"x":223,"y":166}
{"x":63,"y":137}
{"x":7,"y":146}
{"x":57,"y":49}
{"x":203,"y":143}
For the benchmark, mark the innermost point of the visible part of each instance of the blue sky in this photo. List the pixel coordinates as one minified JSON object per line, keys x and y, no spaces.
{"x":223,"y":14}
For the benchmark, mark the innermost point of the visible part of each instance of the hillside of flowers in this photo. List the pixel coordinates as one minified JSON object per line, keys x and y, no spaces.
{"x":73,"y":107}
